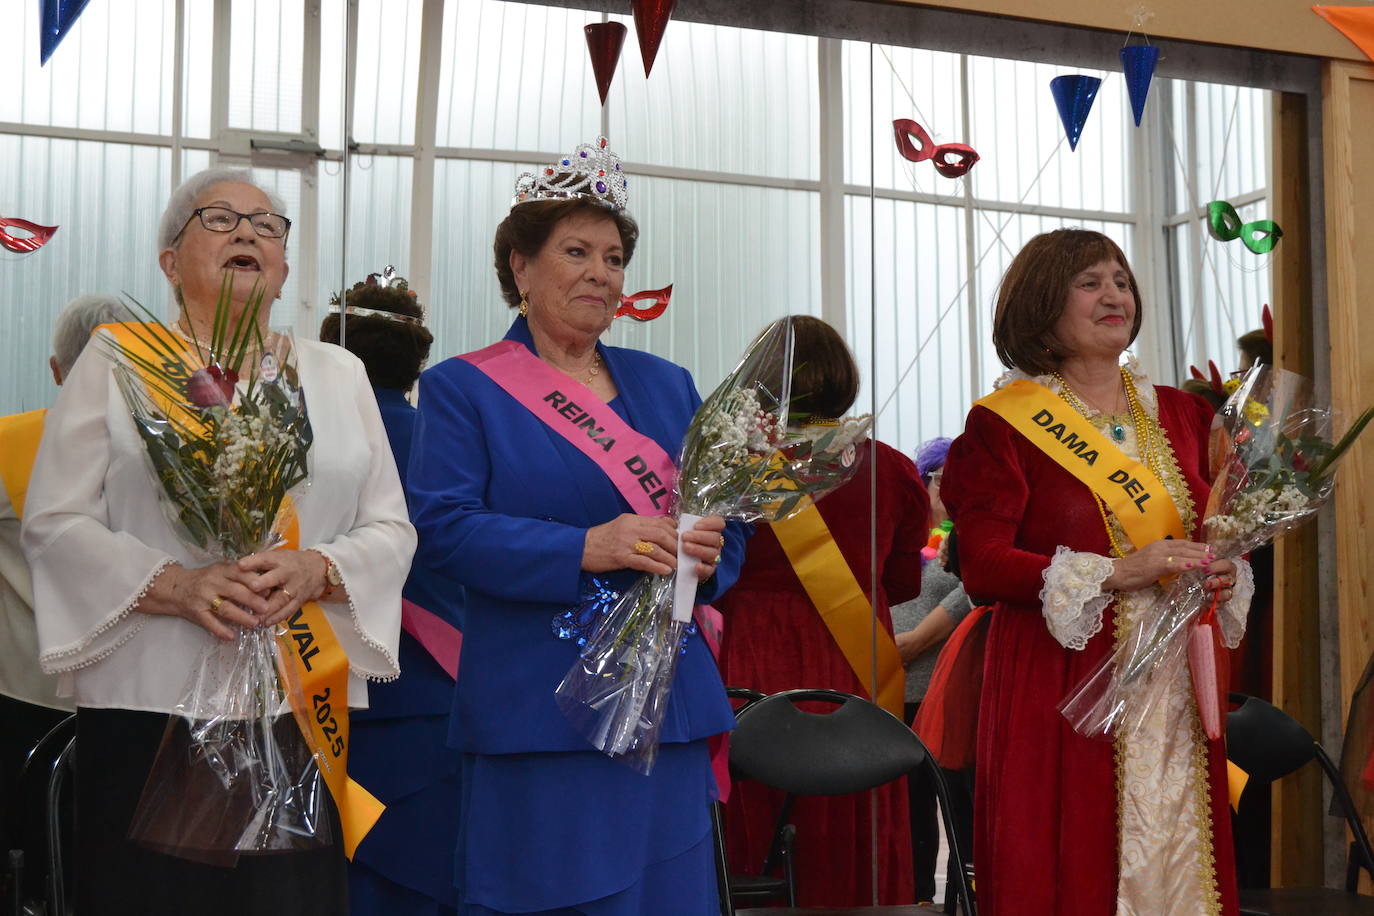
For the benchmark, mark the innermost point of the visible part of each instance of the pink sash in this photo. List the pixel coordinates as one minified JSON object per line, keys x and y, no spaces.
{"x":637,"y":465}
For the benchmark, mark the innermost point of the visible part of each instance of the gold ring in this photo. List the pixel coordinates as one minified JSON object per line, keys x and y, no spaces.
{"x":722,"y":541}
{"x":716,"y":561}
{"x":643,"y":548}
{"x":287,"y":593}
{"x":1169,"y":560}
{"x":216,"y":602}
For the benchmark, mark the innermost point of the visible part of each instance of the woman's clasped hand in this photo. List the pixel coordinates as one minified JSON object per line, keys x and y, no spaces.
{"x":260,"y":590}
{"x":1169,"y":558}
{"x":650,"y":544}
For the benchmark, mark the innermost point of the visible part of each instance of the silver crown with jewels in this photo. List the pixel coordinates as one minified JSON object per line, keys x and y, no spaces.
{"x":591,"y":171}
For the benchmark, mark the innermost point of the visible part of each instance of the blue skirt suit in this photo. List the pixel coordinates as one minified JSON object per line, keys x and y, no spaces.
{"x":502,"y":504}
{"x":400,"y":753}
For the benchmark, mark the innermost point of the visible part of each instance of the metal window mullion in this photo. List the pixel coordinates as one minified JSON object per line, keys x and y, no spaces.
{"x":975,"y":361}
{"x":308,"y":252}
{"x":222,"y":35}
{"x":426,"y":138}
{"x":178,"y":89}
{"x":830,"y":76}
{"x":1156,"y":342}
{"x":1196,"y":328}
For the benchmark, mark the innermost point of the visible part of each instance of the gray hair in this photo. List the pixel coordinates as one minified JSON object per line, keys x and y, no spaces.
{"x":183,"y":200}
{"x":74,"y":326}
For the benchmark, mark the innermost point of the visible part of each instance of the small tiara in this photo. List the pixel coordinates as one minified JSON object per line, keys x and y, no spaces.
{"x":357,"y":311}
{"x":591,"y":171}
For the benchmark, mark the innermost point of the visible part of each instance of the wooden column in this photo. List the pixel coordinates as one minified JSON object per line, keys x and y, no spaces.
{"x":1296,"y":856}
{"x":1348,"y":113}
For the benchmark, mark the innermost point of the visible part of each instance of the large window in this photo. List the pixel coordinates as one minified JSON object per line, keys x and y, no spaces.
{"x":764,"y":177}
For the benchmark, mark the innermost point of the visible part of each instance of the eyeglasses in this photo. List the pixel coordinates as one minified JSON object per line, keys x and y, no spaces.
{"x":222,"y":219}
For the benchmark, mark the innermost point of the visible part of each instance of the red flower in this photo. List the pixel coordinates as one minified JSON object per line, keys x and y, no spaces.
{"x":211,"y":387}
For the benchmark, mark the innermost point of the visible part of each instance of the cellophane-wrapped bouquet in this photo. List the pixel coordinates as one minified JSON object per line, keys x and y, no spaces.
{"x":752,"y":453}
{"x":225,"y":431}
{"x":1273,"y":465}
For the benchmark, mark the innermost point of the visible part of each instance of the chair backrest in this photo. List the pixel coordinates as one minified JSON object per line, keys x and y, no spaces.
{"x":1268,"y":744}
{"x":1265,"y":741}
{"x":852,"y":748}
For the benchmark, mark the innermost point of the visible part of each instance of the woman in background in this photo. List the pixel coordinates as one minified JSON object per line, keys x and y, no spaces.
{"x":404,"y":866}
{"x":775,"y":639}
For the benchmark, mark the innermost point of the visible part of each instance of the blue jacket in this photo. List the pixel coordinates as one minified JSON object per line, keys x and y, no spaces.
{"x":424,"y":688}
{"x":502,"y":504}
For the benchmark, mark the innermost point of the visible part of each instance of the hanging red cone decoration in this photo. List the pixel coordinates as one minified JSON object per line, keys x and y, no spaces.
{"x":923,"y":148}
{"x":1074,"y":96}
{"x":604,"y":41}
{"x":649,"y":313}
{"x":34,"y":237}
{"x":651,"y":19}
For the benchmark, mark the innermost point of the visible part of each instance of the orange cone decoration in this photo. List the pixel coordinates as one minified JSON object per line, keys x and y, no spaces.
{"x":1354,"y":22}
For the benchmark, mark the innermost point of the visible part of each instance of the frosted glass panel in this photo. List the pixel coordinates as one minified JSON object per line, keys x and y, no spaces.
{"x":378,"y":224}
{"x":387,"y":71}
{"x":1016,"y":129}
{"x":914,"y":279}
{"x":516,"y":76}
{"x":106,"y":200}
{"x":265,"y":69}
{"x":732,"y":100}
{"x":737,"y":256}
{"x":113,"y":71}
{"x":907,"y":83}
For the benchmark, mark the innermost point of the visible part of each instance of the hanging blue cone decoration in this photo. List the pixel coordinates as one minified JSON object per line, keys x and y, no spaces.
{"x":1074,"y":96}
{"x":1138,"y":64}
{"x":58,"y":18}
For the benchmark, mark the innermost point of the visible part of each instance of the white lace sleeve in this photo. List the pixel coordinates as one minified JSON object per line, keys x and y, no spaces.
{"x":1232,"y":615}
{"x":1072,"y":599}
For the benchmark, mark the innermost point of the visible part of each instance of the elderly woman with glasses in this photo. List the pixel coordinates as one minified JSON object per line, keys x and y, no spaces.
{"x":125,"y":609}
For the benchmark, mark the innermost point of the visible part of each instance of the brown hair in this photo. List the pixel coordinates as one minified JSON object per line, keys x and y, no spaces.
{"x":1035,"y":289}
{"x":393,"y":352}
{"x":825,"y":380}
{"x":528,"y":226}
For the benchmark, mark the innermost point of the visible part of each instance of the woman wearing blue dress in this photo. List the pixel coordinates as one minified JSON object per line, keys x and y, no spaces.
{"x":404,"y":866}
{"x":530,"y":527}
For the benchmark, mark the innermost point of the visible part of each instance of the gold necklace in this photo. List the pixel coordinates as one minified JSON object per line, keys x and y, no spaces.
{"x":595,"y":368}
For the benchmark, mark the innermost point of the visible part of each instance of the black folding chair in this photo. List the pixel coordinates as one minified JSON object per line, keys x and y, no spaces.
{"x":856,"y":747}
{"x":48,"y":758}
{"x":1268,"y":744}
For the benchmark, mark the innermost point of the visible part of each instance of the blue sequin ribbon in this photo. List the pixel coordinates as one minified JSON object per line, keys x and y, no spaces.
{"x":577,"y":624}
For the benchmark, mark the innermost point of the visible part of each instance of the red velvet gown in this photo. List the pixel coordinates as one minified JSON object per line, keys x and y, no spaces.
{"x":1046,"y":799}
{"x":775,"y":640}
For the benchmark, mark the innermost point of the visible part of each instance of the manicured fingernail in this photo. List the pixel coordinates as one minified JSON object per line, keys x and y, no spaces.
{"x":1187,"y":565}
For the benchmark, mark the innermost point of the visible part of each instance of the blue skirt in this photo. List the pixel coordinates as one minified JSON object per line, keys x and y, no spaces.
{"x":578,"y":832}
{"x":404,"y":866}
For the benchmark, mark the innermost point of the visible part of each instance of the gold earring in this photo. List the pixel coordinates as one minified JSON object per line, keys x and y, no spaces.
{"x":524,"y":305}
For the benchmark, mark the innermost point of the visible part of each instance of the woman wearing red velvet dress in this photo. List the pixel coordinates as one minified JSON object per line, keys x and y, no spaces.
{"x":775,"y":639}
{"x":1065,"y":824}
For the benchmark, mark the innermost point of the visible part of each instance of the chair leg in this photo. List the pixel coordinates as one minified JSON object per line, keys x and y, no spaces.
{"x":788,"y":851}
{"x":56,"y":879}
{"x":962,"y":891}
{"x":727,"y":906}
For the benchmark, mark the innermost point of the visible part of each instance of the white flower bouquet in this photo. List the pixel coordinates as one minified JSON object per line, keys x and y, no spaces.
{"x":1272,"y":461}
{"x":751,"y":453}
{"x":226,"y":434}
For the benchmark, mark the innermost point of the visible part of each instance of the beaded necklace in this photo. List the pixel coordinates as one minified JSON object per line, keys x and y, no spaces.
{"x":1146,"y":439}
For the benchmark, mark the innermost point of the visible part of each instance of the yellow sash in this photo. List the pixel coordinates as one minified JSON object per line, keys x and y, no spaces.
{"x":1130,"y":489}
{"x":19,"y":437}
{"x":848,"y":615}
{"x":312,"y":663}
{"x":314,"y":668}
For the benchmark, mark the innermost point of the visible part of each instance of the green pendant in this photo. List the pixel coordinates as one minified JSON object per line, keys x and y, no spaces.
{"x":1118,"y":432}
